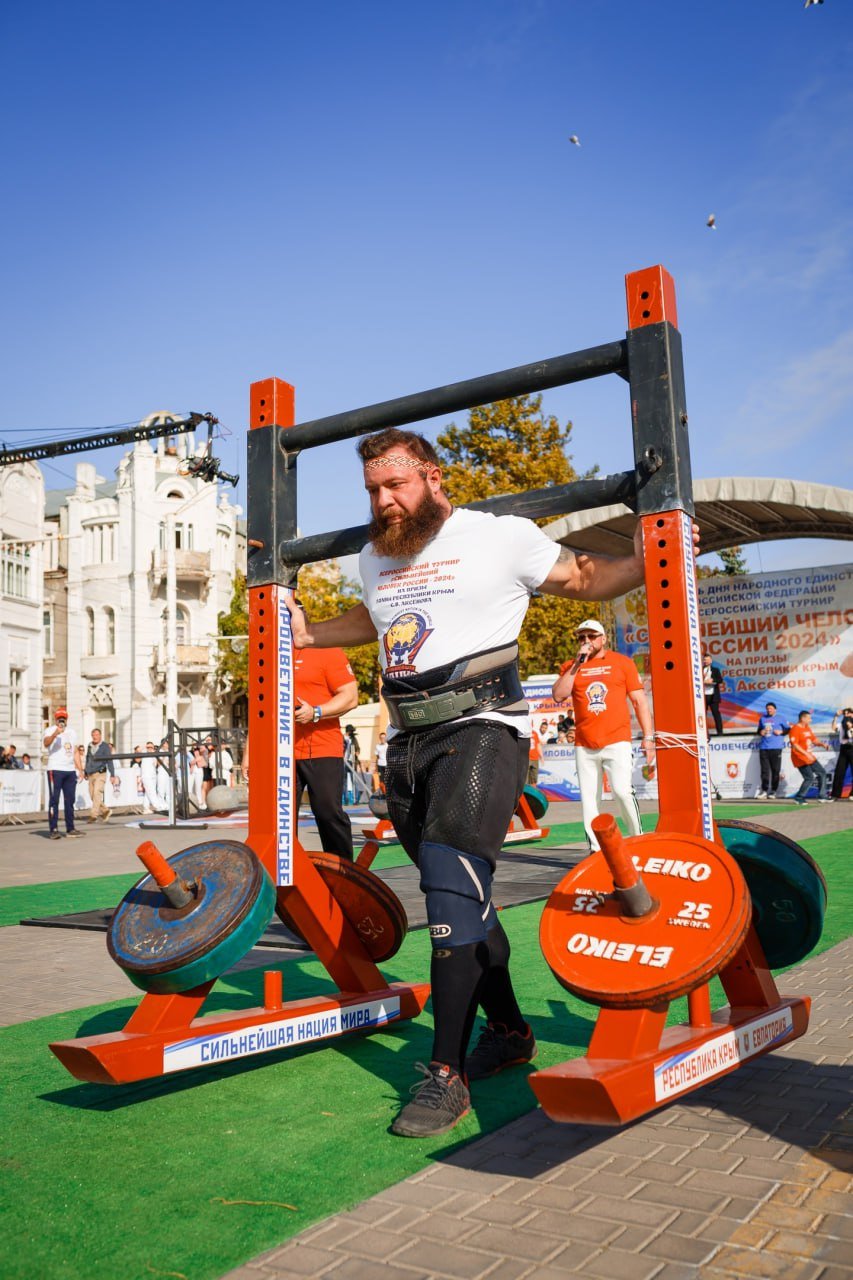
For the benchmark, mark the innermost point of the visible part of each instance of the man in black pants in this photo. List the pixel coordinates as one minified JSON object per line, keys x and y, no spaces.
{"x":64,"y":767}
{"x":446,"y":592}
{"x":712,"y":680}
{"x":842,"y":724}
{"x":771,"y":730}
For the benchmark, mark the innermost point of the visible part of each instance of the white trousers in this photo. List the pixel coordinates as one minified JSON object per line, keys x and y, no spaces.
{"x":615,"y":761}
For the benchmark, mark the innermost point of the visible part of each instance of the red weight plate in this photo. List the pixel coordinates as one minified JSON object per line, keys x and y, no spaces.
{"x":373,"y":910}
{"x":700,"y":918}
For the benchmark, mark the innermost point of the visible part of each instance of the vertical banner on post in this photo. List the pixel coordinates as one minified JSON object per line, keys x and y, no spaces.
{"x":271,"y":517}
{"x":681,"y":740}
{"x":697,"y":686}
{"x":284,"y":742}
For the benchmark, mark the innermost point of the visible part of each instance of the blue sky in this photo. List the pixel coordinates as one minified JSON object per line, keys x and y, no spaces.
{"x":372,"y":199}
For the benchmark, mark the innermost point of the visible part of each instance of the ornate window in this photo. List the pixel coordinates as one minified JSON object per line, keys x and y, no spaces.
{"x":89,"y":637}
{"x":15,"y":569}
{"x":17,"y":701}
{"x":110,"y":629}
{"x":51,"y":549}
{"x":99,"y":543}
{"x":105,"y":720}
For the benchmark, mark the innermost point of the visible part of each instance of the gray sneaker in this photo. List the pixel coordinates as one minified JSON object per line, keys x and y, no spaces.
{"x":440,"y":1101}
{"x":74,"y":835}
{"x":55,"y":835}
{"x":497,"y":1049}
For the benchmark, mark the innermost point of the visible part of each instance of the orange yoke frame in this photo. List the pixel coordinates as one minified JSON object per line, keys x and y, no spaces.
{"x":632,"y":1064}
{"x":165,"y":1034}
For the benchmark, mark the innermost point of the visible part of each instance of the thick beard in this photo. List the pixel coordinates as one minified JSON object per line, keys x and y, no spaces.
{"x":404,"y":539}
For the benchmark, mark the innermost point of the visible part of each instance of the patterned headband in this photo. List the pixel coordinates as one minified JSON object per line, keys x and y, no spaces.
{"x":394,"y":460}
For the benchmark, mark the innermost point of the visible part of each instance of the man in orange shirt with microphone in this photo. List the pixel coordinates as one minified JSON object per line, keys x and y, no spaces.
{"x":600,"y":684}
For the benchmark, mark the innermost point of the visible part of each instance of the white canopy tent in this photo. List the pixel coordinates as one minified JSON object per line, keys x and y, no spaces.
{"x":730,"y":510}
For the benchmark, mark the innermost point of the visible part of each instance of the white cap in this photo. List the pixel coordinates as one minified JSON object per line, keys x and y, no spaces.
{"x":591,"y":625}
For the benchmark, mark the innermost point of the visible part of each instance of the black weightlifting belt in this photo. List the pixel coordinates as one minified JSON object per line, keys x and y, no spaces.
{"x":487,"y":681}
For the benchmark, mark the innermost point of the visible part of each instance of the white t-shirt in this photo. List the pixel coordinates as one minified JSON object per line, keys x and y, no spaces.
{"x":60,"y":753}
{"x":381,"y":754}
{"x":467,"y":591}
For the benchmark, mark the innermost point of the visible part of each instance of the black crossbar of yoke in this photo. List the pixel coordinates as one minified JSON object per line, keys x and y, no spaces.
{"x":535,"y":504}
{"x":577,"y":366}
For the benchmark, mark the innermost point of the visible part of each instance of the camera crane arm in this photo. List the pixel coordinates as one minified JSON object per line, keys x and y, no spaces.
{"x":104,"y":439}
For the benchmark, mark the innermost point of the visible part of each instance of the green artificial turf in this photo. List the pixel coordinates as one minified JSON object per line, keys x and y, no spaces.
{"x":62,"y":897}
{"x":196,"y":1173}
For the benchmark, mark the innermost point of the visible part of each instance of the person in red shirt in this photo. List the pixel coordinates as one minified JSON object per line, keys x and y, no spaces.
{"x":600,"y":684}
{"x":802,"y":738}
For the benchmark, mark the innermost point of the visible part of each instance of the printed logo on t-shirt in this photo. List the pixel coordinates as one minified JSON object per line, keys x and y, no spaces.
{"x":596,"y":696}
{"x":403,"y":640}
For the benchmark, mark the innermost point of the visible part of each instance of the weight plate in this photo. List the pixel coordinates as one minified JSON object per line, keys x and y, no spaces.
{"x":373,"y":910}
{"x":163,"y":949}
{"x":787,"y":888}
{"x":538,"y":802}
{"x":378,"y":803}
{"x":700,"y":919}
{"x":227,"y":799}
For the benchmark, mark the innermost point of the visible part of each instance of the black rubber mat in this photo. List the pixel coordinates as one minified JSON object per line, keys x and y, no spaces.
{"x":524,"y":875}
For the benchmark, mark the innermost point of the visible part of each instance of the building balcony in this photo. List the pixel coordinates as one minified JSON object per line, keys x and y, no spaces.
{"x":99,"y":665}
{"x":191,"y":659}
{"x":190,"y":566}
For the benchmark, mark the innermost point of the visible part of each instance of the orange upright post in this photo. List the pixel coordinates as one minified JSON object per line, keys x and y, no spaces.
{"x":634,"y":1063}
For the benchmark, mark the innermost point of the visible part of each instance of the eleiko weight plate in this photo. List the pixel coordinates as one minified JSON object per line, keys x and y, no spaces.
{"x":700,"y":917}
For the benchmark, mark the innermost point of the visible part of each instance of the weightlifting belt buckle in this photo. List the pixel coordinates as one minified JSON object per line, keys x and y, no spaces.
{"x":431,"y":711}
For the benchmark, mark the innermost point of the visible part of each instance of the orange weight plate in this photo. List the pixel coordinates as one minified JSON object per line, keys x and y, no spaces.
{"x":374,"y":911}
{"x":700,"y":917}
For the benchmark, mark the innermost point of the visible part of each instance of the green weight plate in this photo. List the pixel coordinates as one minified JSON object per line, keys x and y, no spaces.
{"x":787,"y":888}
{"x":164,"y":949}
{"x":537,"y":800}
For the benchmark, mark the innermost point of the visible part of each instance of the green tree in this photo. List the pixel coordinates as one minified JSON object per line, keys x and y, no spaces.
{"x":232,"y":660}
{"x":325,"y":592}
{"x":509,"y":447}
{"x":734,"y":562}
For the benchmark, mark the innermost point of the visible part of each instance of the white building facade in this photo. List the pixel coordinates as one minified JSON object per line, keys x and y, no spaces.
{"x":21,"y":607}
{"x":142,"y":561}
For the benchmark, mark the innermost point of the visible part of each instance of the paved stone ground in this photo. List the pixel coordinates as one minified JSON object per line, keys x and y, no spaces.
{"x":748,"y":1177}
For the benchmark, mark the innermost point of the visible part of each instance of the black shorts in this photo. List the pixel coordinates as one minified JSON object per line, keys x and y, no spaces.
{"x":457,"y":784}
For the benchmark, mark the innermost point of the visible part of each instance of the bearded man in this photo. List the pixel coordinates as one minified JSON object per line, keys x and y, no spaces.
{"x":445,"y":593}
